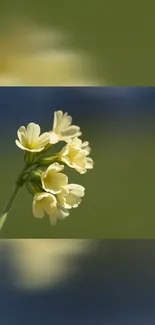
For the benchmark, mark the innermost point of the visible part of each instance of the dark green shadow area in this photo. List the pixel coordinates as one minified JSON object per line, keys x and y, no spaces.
{"x":119,"y":34}
{"x":119,"y":200}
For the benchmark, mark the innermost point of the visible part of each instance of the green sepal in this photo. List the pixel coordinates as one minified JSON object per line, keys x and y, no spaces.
{"x":29,"y":157}
{"x":35,"y":174}
{"x":47,"y":160}
{"x":34,"y":187}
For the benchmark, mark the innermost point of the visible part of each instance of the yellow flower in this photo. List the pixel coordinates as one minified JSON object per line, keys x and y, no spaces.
{"x":70,"y":196}
{"x":75,"y":153}
{"x":52,"y":180}
{"x":47,"y":203}
{"x":30,"y":138}
{"x":62,"y":128}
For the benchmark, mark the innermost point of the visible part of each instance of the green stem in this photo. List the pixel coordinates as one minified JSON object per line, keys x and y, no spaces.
{"x":19,"y":182}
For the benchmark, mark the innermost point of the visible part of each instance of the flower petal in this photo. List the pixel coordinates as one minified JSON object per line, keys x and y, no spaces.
{"x":33,"y":132}
{"x":43,"y":140}
{"x":40,"y":196}
{"x":54,"y":138}
{"x":65,"y":122}
{"x":57,"y":118}
{"x":89,"y":163}
{"x":66,"y":161}
{"x":79,"y":159}
{"x":73,"y":199}
{"x":56,"y":167}
{"x":54,"y":215}
{"x":27,"y":149}
{"x":37,"y":209}
{"x":76,"y":189}
{"x":64,"y":151}
{"x":86,"y":148}
{"x":20,"y":145}
{"x":22,"y":135}
{"x":71,"y":131}
{"x":63,"y":213}
{"x":76,"y":142}
{"x":53,"y":182}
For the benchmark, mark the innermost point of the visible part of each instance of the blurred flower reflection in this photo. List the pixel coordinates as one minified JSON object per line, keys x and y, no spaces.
{"x":33,"y":55}
{"x":38,"y":263}
{"x":101,"y":282}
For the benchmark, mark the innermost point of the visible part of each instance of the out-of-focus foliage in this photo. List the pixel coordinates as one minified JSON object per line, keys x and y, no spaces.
{"x":117,"y":34}
{"x":34,"y":55}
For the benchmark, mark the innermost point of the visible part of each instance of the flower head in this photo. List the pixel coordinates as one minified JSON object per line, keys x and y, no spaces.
{"x":62,"y":128}
{"x":75,"y":153}
{"x":47,"y":203}
{"x":30,"y":138}
{"x":70,"y":196}
{"x":52,"y":180}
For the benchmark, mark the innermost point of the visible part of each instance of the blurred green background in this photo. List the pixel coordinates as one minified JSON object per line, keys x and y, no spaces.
{"x":118,"y":34}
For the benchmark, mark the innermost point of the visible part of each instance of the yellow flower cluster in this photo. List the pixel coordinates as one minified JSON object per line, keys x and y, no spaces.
{"x":52,"y":194}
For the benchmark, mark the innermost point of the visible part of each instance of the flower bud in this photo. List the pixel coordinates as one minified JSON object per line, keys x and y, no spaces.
{"x":34,"y":187}
{"x":30,"y":187}
{"x":36,"y":174}
{"x":47,"y":161}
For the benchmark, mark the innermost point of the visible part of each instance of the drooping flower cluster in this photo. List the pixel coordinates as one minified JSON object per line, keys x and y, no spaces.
{"x":52,"y":194}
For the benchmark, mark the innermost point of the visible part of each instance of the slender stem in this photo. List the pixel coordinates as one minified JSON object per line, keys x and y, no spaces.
{"x":19,"y":182}
{"x":10,"y":200}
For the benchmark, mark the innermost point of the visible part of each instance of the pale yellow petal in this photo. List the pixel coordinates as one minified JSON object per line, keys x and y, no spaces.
{"x":64,"y":151}
{"x":22,"y":135}
{"x":80,"y":170}
{"x":53,"y":182}
{"x":86,"y":148}
{"x":84,"y":144}
{"x":89,"y":163}
{"x":43,"y":139}
{"x":56,"y":167}
{"x":76,"y":142}
{"x":27,"y":149}
{"x":35,"y":150}
{"x":79,"y":159}
{"x":57,"y":118}
{"x":37,"y":209}
{"x":54,"y":138}
{"x":77,"y":189}
{"x":43,"y":203}
{"x":54,"y":215}
{"x":72,"y":201}
{"x":65,"y":122}
{"x":20,"y":145}
{"x":40,"y":196}
{"x":66,"y":160}
{"x":71,"y":131}
{"x":63,"y":213}
{"x":33,"y":132}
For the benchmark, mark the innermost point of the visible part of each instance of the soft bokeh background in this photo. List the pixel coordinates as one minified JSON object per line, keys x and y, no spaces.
{"x":83,"y":282}
{"x":120,"y":125}
{"x":118,"y":35}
